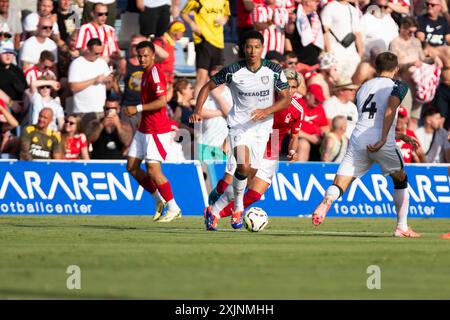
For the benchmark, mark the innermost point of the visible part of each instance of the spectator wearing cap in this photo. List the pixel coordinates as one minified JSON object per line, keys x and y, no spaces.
{"x":12,"y":79}
{"x":326,"y":75}
{"x":44,"y":10}
{"x":167,"y":43}
{"x":41,"y":97}
{"x":341,"y":104}
{"x":433,"y":28}
{"x":89,"y":77}
{"x":377,"y":27}
{"x":409,"y":153}
{"x":155,"y":15}
{"x":98,"y":28}
{"x":342,"y":36}
{"x":13,"y":20}
{"x":433,"y":138}
{"x":305,"y":33}
{"x":42,"y":69}
{"x":209,"y":18}
{"x":33,"y":46}
{"x":314,"y":124}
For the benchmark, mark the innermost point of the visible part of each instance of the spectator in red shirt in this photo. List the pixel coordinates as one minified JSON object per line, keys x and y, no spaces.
{"x":314,"y":124}
{"x":409,"y":154}
{"x":167,"y":42}
{"x":75,"y":143}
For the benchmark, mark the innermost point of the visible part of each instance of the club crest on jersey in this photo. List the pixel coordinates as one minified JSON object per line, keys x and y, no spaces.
{"x":265,"y":79}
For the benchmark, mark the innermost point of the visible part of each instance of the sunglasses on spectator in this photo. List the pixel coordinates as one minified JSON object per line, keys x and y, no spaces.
{"x":428,"y":4}
{"x":69,"y":122}
{"x":46,"y":27}
{"x":45,"y":87}
{"x":383,"y":7}
{"x":99,"y":14}
{"x":291,"y":62}
{"x":47,"y":67}
{"x":5,"y":34}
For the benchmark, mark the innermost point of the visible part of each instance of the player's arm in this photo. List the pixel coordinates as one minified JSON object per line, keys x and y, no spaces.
{"x":281,"y":104}
{"x":396,"y":97}
{"x":160,"y":102}
{"x":202,"y":96}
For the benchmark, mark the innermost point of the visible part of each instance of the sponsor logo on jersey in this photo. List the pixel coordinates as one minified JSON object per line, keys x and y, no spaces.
{"x":262,"y":93}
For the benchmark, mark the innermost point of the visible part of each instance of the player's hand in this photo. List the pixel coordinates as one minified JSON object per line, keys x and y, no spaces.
{"x":259,"y":114}
{"x":377,"y":146}
{"x":195,"y":117}
{"x":130,"y":110}
{"x":292,"y":156}
{"x":412,"y":141}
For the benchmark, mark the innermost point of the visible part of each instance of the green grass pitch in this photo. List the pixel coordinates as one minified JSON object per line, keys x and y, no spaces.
{"x":133,"y":258}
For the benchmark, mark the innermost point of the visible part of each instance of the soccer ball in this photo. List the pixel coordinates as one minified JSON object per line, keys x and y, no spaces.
{"x":255,"y":219}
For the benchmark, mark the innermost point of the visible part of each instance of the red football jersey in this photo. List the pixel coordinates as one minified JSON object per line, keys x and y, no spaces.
{"x":285,"y":120}
{"x":406,"y":148}
{"x":153,"y":86}
{"x":314,"y":119}
{"x":74,"y":146}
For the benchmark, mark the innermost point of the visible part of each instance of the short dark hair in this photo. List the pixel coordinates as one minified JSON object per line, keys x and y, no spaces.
{"x":386,"y":61}
{"x":408,"y":22}
{"x":252,"y":34}
{"x":430,"y":111}
{"x":94,"y":42}
{"x":47,"y":55}
{"x":290,"y":54}
{"x":146,"y":44}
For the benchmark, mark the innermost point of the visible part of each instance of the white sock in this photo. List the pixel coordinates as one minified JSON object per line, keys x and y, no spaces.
{"x":173,"y":206}
{"x":239,"y":190}
{"x":401,"y":202}
{"x":157,"y":196}
{"x":223,"y":201}
{"x":333,"y":193}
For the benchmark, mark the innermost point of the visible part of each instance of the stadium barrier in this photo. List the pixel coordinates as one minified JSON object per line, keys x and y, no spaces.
{"x":298,"y":188}
{"x":92,"y":188}
{"x":105,"y":188}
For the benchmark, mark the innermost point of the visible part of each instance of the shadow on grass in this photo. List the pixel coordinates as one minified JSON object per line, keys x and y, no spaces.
{"x":33,"y":294}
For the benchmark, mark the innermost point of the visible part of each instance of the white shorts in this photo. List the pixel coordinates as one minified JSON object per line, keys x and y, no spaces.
{"x":357,"y":162}
{"x":256,"y":143}
{"x":266,"y":171}
{"x":150,"y":147}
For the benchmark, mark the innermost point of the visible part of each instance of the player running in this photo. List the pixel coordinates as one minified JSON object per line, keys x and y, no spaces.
{"x":373,"y":141}
{"x":252,"y":83}
{"x":221,"y":206}
{"x":153,"y":137}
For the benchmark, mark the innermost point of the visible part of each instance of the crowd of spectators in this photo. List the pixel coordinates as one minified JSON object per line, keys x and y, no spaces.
{"x":64,"y":79}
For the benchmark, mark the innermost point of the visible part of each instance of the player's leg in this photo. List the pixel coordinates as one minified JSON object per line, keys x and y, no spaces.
{"x":135,"y":156}
{"x":163,"y":185}
{"x":220,"y":188}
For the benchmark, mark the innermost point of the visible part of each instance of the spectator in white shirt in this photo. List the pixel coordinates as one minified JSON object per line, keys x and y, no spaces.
{"x":32,"y":47}
{"x":12,"y":18}
{"x":341,"y":104}
{"x":433,"y":138}
{"x":89,"y":77}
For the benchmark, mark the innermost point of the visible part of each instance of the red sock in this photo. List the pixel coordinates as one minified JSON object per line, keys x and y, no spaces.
{"x":221,"y":186}
{"x":148,"y":184}
{"x":250,"y":197}
{"x":166,"y":191}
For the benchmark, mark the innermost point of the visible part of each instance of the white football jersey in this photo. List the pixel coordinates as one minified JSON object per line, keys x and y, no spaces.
{"x":251,"y":91}
{"x":371,"y":101}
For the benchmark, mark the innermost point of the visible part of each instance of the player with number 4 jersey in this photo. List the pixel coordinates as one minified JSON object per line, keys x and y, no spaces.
{"x":373,"y":141}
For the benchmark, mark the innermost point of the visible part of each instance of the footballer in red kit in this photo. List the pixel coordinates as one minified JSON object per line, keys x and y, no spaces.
{"x":221,"y":202}
{"x":153,"y":138}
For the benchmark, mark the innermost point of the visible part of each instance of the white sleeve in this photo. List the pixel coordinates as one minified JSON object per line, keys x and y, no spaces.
{"x":356,"y":20}
{"x":329,"y":109}
{"x":25,"y":52}
{"x":326,"y":16}
{"x":74,"y":75}
{"x":55,"y":29}
{"x":36,"y":107}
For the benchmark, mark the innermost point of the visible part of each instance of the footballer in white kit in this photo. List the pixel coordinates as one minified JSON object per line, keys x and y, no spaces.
{"x":252,"y":83}
{"x":373,"y":141}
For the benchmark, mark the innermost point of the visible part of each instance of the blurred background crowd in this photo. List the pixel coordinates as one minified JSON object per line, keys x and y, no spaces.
{"x":68,"y":67}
